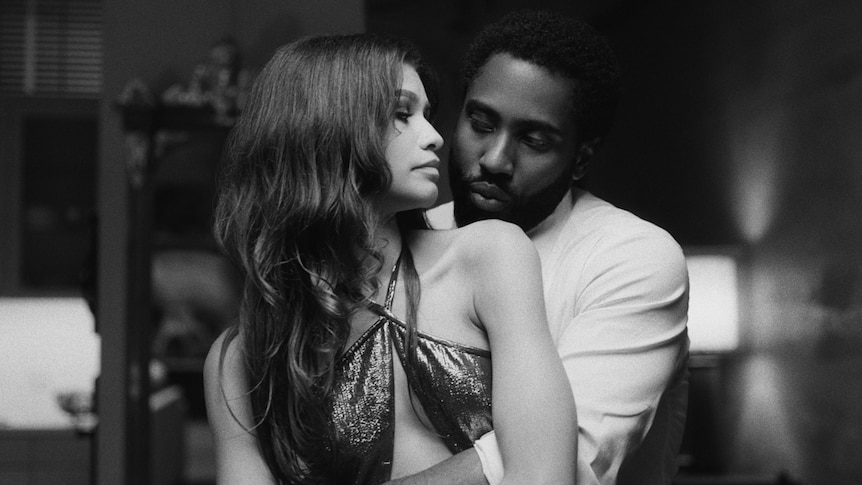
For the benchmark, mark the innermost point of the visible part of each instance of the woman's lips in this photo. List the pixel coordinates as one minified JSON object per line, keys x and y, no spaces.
{"x":488,"y":197}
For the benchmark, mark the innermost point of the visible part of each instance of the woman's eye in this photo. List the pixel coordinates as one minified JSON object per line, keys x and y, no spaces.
{"x":402,"y":116}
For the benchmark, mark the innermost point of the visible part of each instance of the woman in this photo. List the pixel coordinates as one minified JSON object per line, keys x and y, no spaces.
{"x":338,"y":372}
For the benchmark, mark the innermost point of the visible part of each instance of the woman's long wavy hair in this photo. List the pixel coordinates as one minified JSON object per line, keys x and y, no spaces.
{"x":295,"y":212}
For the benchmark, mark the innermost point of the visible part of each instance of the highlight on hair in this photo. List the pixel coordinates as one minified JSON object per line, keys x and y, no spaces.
{"x":295,"y":212}
{"x":564,"y":46}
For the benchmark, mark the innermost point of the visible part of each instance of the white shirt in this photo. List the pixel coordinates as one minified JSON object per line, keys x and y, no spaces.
{"x":616,"y":293}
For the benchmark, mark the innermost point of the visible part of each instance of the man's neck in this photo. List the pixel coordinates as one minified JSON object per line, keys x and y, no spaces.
{"x":545,"y":234}
{"x":564,"y":206}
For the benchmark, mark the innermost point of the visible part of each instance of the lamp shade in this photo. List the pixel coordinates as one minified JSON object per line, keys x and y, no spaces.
{"x":713,"y":311}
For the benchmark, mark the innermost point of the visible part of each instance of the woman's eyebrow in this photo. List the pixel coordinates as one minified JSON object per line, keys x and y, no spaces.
{"x":410,"y":95}
{"x":413,"y":98}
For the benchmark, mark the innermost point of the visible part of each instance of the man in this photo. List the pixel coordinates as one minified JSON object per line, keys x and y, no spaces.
{"x":540,"y":94}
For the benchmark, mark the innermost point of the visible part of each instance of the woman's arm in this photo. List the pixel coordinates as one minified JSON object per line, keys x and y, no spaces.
{"x":533,"y":406}
{"x":238,"y":458}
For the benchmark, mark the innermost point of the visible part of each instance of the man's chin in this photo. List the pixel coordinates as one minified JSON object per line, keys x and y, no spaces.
{"x":466,"y":213}
{"x":525,"y":212}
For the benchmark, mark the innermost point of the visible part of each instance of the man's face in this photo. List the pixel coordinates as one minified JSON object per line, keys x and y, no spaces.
{"x":515,"y":144}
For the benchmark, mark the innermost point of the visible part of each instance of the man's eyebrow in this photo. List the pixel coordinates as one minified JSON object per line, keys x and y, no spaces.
{"x":476,"y":105}
{"x":527,"y":124}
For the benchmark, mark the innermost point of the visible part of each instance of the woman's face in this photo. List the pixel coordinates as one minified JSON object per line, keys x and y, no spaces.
{"x":410,"y":149}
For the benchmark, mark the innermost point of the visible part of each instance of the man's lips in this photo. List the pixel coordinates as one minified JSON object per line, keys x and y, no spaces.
{"x":488,"y":197}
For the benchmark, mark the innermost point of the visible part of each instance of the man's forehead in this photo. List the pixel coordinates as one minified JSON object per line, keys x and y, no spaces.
{"x":518,"y":89}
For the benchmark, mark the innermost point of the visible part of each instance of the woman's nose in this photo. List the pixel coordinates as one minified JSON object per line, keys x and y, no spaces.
{"x":432,"y":140}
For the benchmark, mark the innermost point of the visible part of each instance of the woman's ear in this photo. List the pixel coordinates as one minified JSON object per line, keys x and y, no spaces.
{"x":584,"y":157}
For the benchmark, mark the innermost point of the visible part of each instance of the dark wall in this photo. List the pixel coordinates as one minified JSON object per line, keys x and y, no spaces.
{"x":659,"y":160}
{"x":742,"y":124}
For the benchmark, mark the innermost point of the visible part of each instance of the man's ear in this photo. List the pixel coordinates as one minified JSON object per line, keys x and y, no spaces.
{"x":584,"y":157}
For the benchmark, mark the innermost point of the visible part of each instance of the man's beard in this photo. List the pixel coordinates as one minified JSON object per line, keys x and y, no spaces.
{"x":524,"y":211}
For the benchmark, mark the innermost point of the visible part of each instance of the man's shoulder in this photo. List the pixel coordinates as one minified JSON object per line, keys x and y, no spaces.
{"x":603,"y":242}
{"x":599,"y":223}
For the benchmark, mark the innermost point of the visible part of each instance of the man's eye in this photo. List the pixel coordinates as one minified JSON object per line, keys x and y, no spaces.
{"x":481,"y":125}
{"x":536,"y":143}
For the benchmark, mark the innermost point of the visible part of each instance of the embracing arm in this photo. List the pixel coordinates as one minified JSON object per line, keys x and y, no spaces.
{"x":533,"y":407}
{"x":461,"y":469}
{"x":238,"y":459}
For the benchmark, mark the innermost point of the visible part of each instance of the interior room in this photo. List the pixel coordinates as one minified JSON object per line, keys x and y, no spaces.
{"x":738,"y":132}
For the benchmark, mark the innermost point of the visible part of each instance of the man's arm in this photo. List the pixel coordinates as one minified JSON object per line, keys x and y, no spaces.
{"x":623,"y":347}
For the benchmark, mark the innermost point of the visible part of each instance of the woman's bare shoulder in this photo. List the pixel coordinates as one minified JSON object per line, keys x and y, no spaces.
{"x":474,"y":249}
{"x":492,"y":239}
{"x":225,"y":355}
{"x":480,"y":235}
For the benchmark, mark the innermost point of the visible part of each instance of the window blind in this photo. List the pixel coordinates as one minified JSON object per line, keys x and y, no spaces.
{"x":51,"y":48}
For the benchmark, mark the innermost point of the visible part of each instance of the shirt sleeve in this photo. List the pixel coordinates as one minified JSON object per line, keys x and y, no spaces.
{"x":624,"y":343}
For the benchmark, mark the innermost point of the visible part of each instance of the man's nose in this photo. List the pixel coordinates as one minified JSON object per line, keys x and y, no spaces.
{"x":498,"y":157}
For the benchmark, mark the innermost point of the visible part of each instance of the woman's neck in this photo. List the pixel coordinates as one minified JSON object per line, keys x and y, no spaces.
{"x":389,"y":243}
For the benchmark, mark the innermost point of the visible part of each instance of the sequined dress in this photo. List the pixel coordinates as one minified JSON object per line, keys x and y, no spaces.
{"x":452,"y":382}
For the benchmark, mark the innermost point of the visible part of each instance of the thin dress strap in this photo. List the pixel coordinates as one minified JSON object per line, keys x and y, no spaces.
{"x":393,"y":281}
{"x":385,"y":310}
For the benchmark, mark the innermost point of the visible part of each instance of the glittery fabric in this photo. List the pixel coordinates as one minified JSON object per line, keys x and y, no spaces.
{"x":363,"y":410}
{"x":451,"y":383}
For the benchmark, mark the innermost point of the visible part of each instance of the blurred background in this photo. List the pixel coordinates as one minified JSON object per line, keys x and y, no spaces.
{"x":739,"y":131}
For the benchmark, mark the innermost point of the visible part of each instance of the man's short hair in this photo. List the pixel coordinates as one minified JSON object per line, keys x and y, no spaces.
{"x":564,"y":46}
